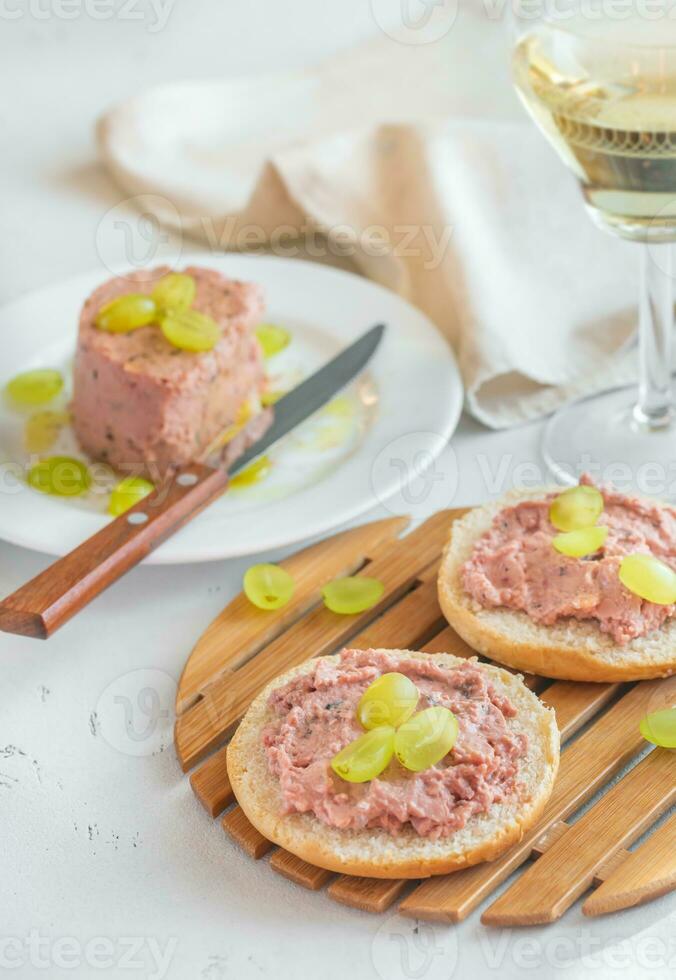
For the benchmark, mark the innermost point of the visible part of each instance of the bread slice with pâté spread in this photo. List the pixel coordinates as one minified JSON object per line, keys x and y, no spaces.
{"x":395,"y":847}
{"x":570,"y":648}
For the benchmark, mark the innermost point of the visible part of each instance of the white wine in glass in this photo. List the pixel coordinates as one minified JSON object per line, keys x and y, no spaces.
{"x":603,"y":91}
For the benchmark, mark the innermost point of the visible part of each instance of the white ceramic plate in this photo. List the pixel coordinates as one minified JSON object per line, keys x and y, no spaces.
{"x":324,"y":475}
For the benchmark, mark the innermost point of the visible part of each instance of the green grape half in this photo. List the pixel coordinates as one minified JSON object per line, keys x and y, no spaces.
{"x":127,"y":313}
{"x":272,"y":339}
{"x":62,"y":476}
{"x":190,"y":330}
{"x":660,"y":728}
{"x":175,"y":291}
{"x":253,"y":473}
{"x":271,"y":397}
{"x":43,"y":429}
{"x":340,"y":407}
{"x":268,"y":586}
{"x":649,"y":578}
{"x":577,"y":544}
{"x":127,"y":493}
{"x":426,"y":738}
{"x":366,"y":757}
{"x":390,"y":700}
{"x":34,"y":387}
{"x":352,"y":595}
{"x":576,"y":508}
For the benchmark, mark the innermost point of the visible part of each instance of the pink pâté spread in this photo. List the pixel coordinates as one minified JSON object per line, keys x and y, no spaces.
{"x":315,"y":717}
{"x":514,"y":565}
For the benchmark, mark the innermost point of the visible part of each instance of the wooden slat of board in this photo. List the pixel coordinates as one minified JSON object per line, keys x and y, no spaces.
{"x":245,"y":834}
{"x":610,"y":865}
{"x":207,"y":723}
{"x":448,"y":641}
{"x":575,"y":703}
{"x":241,"y":630}
{"x":367,"y":894}
{"x":557,"y":831}
{"x":211,"y":784}
{"x":416,"y":614}
{"x":299,"y":871}
{"x":585,"y":766}
{"x":379,"y":894}
{"x":554,"y":835}
{"x":646,"y":873}
{"x":551,"y":836}
{"x":550,"y":886}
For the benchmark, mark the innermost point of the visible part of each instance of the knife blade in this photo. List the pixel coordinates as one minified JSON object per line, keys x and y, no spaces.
{"x":41,"y":606}
{"x":310,"y":395}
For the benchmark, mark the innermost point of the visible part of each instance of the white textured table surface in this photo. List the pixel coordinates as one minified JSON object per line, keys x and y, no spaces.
{"x":108,"y":865}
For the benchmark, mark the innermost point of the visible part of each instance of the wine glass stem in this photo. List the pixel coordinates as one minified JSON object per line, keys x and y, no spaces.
{"x":655,"y":408}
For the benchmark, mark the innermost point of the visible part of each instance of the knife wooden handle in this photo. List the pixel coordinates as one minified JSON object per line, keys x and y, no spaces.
{"x":45,"y":603}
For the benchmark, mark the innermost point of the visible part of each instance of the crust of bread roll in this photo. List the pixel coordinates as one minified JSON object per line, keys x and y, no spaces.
{"x":571,"y":649}
{"x":376,"y":853}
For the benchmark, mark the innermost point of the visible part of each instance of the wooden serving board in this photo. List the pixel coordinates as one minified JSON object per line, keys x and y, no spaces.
{"x":244,"y":648}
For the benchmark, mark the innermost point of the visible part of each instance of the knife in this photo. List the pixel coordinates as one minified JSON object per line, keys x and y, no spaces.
{"x":40,"y":607}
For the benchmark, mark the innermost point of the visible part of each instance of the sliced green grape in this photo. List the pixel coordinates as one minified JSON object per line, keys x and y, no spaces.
{"x":576,"y":508}
{"x":43,"y":429}
{"x":268,"y":586}
{"x":127,"y":313}
{"x":353,"y":594}
{"x":190,"y":330}
{"x":366,"y":757}
{"x":340,"y":407}
{"x":243,"y":415}
{"x":127,"y":493}
{"x":660,"y":728}
{"x":327,"y":432}
{"x":34,"y":387}
{"x":62,"y":476}
{"x":390,"y":700}
{"x":649,"y":578}
{"x":175,"y":291}
{"x":577,"y":544}
{"x":426,"y":738}
{"x":271,"y":397}
{"x":272,"y":339}
{"x":253,"y":473}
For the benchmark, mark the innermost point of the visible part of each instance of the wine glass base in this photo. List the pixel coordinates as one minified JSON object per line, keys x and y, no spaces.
{"x":604,"y":436}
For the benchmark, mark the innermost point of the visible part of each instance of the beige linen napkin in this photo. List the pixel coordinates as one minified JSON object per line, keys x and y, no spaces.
{"x":373,"y":155}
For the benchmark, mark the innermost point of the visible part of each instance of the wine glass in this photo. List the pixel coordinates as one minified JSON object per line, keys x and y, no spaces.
{"x":602,"y":89}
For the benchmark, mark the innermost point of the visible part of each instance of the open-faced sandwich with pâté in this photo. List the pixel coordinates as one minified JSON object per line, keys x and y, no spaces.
{"x":391,"y":763}
{"x":578,"y":585}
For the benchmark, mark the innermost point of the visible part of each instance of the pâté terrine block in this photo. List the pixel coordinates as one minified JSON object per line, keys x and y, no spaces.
{"x":142,"y":404}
